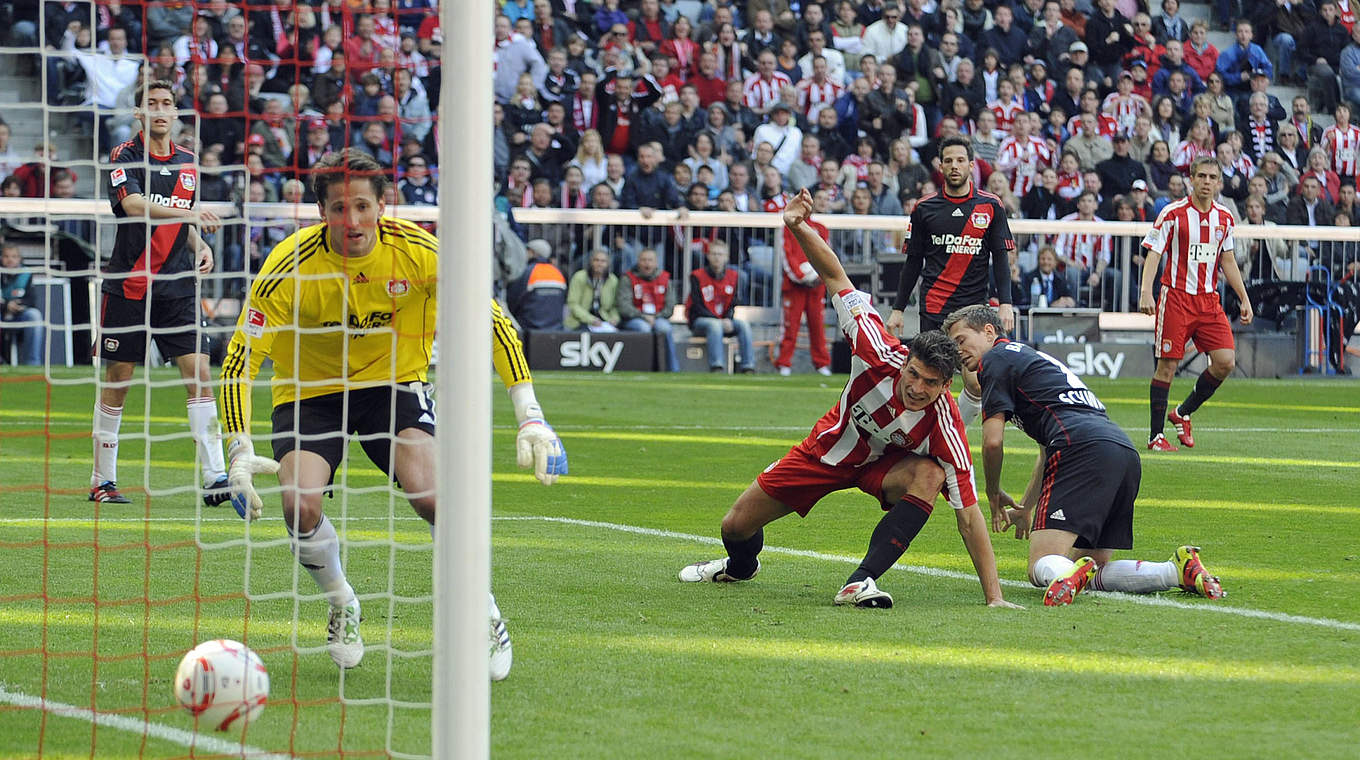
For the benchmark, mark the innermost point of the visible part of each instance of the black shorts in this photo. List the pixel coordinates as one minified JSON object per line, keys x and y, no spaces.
{"x":126,"y":328}
{"x":929,"y":322}
{"x":322,"y":426}
{"x":1089,"y":490}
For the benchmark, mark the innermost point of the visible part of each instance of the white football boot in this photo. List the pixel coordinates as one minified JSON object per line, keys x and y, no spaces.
{"x":501,"y":654}
{"x":714,"y":570}
{"x":343,"y":641}
{"x":863,"y":593}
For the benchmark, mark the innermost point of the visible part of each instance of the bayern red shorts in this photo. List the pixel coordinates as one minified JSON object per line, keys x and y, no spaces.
{"x":800,"y":479}
{"x":1182,"y":317}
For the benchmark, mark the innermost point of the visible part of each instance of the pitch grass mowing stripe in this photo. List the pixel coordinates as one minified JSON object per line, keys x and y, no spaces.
{"x":940,"y":573}
{"x":193,"y":741}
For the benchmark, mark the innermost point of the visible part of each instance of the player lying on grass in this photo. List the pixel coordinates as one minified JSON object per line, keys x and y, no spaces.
{"x":895,"y":434}
{"x":346,"y":309}
{"x":1084,"y":482}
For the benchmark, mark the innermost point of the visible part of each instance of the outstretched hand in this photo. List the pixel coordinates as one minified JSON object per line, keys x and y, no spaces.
{"x":245,"y":464}
{"x":799,"y":209}
{"x":538,"y":446}
{"x":1020,"y":518}
{"x":999,"y":503}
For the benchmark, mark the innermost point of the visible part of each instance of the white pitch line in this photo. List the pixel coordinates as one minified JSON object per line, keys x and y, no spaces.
{"x":137,"y":726}
{"x":1279,"y":617}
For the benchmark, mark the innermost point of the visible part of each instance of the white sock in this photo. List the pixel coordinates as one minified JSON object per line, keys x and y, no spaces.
{"x":970,"y":406}
{"x":208,"y":436}
{"x":107,"y":419}
{"x":1048,"y":568}
{"x":319,"y":553}
{"x":1136,"y":576}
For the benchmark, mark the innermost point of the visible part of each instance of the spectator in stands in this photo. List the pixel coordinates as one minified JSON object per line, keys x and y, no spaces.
{"x":18,"y":306}
{"x":1050,"y":39}
{"x":1238,"y":62}
{"x":1348,"y":204}
{"x":538,"y":296}
{"x":1168,"y":25}
{"x":1117,"y":173}
{"x":1199,"y":53}
{"x":1329,"y":181}
{"x":416,"y":187}
{"x":1045,"y":287}
{"x":513,"y":56}
{"x":276,"y":130}
{"x":1086,"y":257}
{"x":1286,"y":25}
{"x":646,"y":302}
{"x":1088,"y":146}
{"x":166,"y":21}
{"x":804,"y":298}
{"x":1309,"y":208}
{"x":1320,"y":52}
{"x":886,"y":37}
{"x":9,"y":159}
{"x":621,"y":109}
{"x":374,"y":142}
{"x":647,"y":187}
{"x":781,"y":134}
{"x":592,"y":296}
{"x":712,"y":302}
{"x":1109,"y":36}
{"x":107,"y":74}
{"x":412,"y":106}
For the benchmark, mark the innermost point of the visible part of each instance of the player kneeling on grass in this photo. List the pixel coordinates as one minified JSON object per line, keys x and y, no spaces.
{"x":896,"y":435}
{"x":1084,"y":482}
{"x":347,"y":309}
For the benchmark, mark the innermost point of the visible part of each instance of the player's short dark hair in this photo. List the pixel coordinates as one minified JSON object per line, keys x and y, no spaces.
{"x":337,"y":167}
{"x":935,"y":350}
{"x":974,"y":317}
{"x":960,"y":141}
{"x":155,"y":84}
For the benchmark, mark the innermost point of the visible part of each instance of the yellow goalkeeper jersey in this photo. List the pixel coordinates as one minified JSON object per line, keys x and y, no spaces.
{"x":332,"y":322}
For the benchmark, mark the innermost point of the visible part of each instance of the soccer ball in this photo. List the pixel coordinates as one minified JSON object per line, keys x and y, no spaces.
{"x":222,"y":683}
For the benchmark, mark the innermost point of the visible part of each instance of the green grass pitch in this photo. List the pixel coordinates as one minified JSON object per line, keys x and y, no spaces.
{"x":615,"y":658}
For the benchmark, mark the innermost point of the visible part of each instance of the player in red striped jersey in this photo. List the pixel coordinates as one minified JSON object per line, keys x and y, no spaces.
{"x":1196,"y":235}
{"x":895,"y":434}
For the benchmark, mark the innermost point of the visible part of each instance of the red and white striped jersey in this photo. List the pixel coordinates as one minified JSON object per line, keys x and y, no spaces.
{"x":1346,"y":13}
{"x":1343,"y":147}
{"x":1192,"y":241}
{"x":1187,"y":152}
{"x":1106,"y":126}
{"x":870,"y":421}
{"x":1084,"y":249}
{"x":775,"y":204}
{"x":1125,"y":110}
{"x":1022,"y":160}
{"x":1070,"y":186}
{"x":759,"y":93}
{"x":1006,"y":113}
{"x":813,"y":97}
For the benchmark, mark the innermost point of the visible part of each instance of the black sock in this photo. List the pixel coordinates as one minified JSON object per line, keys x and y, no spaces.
{"x":741,"y":554}
{"x":1157,"y":393}
{"x":892,"y":536}
{"x":1204,"y":388}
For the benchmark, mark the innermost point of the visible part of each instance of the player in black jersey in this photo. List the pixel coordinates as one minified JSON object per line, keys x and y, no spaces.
{"x":1084,"y":482}
{"x":150,"y":291}
{"x":956,"y":245}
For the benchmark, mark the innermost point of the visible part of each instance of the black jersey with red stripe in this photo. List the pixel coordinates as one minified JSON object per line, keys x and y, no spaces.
{"x":1044,"y":398}
{"x":956,"y":246}
{"x":170,"y":181}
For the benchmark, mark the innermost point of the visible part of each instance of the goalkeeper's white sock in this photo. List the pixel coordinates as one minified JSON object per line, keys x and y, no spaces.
{"x":1136,"y":576}
{"x":1048,"y":568}
{"x":107,"y":419}
{"x":970,"y":406}
{"x":207,"y":434}
{"x":319,"y":552}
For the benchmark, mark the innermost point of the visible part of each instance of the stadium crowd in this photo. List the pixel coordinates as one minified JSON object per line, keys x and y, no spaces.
{"x":1075,"y":111}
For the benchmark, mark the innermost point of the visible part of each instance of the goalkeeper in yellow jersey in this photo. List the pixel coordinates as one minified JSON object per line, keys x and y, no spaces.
{"x":346,"y":309}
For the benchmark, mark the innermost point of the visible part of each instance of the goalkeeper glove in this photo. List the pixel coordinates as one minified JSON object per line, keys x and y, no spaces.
{"x":538,"y":446}
{"x":240,"y":474}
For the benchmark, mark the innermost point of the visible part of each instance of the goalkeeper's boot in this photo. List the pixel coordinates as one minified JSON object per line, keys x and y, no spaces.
{"x":220,"y":492}
{"x":1182,"y":425}
{"x":107,"y":493}
{"x":1065,"y":588}
{"x":863,"y":593}
{"x":343,"y":641}
{"x":1194,"y":578}
{"x":1160,"y":443}
{"x":714,"y":570}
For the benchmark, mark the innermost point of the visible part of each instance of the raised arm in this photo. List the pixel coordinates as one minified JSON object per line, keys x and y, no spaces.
{"x":818,"y":253}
